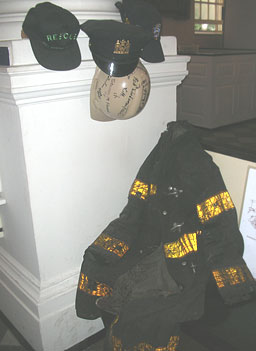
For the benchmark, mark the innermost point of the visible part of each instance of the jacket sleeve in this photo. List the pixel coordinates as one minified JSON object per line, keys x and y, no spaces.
{"x":102,"y":258}
{"x":222,"y":240}
{"x":105,"y":259}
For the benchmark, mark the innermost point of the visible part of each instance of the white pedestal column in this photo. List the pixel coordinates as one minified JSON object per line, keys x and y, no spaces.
{"x":64,"y":178}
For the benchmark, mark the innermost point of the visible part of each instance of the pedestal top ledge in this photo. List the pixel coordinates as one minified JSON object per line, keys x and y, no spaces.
{"x":20,"y":51}
{"x":13,"y":12}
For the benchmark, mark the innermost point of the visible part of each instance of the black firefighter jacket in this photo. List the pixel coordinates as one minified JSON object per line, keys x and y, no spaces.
{"x":178,"y":202}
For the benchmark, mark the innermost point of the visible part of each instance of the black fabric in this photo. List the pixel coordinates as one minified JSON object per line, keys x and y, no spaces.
{"x":141,"y":13}
{"x":137,"y":282}
{"x":179,"y":203}
{"x":177,"y":9}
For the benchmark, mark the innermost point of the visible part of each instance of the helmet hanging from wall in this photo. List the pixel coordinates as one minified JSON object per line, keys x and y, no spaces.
{"x":119,"y":98}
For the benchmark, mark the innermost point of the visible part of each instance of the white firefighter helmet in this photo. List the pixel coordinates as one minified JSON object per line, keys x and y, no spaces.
{"x":119,"y":98}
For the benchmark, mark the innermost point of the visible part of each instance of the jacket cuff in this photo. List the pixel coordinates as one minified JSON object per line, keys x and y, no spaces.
{"x":235,"y":282}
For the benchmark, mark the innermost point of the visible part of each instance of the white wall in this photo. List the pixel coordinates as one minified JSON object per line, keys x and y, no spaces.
{"x":2,"y":202}
{"x":234,"y":172}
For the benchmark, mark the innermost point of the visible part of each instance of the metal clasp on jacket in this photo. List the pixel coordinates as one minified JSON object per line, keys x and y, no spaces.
{"x":177,"y":226}
{"x":193,"y":267}
{"x":174,"y":191}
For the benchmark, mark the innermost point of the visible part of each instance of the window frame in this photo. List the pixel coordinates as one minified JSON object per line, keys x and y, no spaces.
{"x":216,"y":22}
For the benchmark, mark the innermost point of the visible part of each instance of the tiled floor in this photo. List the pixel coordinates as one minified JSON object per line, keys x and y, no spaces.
{"x":10,"y":340}
{"x":187,"y":344}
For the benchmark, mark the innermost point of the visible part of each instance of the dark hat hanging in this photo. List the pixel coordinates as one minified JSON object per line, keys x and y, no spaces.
{"x":115,"y":47}
{"x":53,"y":31}
{"x":143,"y":14}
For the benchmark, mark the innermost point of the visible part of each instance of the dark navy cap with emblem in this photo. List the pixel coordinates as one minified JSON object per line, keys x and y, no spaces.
{"x":52,"y":31}
{"x":143,"y":14}
{"x":115,"y":47}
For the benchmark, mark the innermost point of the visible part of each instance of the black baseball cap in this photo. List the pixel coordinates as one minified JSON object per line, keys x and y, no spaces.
{"x":115,"y":47}
{"x":143,"y":14}
{"x":52,"y":31}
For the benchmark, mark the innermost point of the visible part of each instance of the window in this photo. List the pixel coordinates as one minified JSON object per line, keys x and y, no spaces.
{"x":208,"y":16}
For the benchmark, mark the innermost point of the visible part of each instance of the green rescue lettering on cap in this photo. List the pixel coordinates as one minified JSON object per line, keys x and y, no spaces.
{"x":60,"y":36}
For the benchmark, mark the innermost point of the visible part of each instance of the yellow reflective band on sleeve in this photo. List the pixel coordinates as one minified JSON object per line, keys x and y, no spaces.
{"x":100,"y":289}
{"x":183,"y":246}
{"x":111,"y":244}
{"x":142,"y":190}
{"x":152,"y":189}
{"x":172,"y":345}
{"x":139,"y":189}
{"x":214,"y":206}
{"x":232,"y":276}
{"x":116,"y":344}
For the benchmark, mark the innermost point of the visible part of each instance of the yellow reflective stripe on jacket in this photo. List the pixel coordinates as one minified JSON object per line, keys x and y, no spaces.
{"x":214,"y":206}
{"x":142,"y":190}
{"x":142,"y":346}
{"x":111,"y":244}
{"x":100,"y":289}
{"x":231,"y":276}
{"x":181,"y":247}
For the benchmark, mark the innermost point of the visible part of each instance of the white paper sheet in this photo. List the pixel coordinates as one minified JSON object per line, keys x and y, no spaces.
{"x":248,"y":221}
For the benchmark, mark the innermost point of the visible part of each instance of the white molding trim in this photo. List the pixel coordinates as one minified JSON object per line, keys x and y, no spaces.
{"x":27,"y":290}
{"x":33,"y":84}
{"x":20,"y":283}
{"x":60,"y":286}
{"x":36,"y":308}
{"x":51,"y":93}
{"x":19,"y":276}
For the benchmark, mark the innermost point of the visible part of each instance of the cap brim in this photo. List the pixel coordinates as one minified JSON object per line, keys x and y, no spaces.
{"x":153,"y":52}
{"x":57,"y":59}
{"x":113,"y":68}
